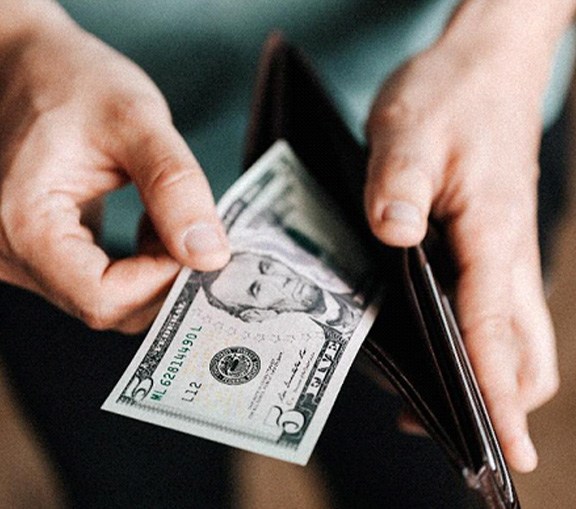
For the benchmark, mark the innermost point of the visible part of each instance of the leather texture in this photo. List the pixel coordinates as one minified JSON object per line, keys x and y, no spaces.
{"x":414,"y":342}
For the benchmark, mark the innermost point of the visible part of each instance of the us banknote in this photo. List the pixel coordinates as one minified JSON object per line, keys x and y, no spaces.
{"x":254,"y":355}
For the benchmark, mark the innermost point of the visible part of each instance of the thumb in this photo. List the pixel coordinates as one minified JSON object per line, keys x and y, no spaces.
{"x":177,"y":197}
{"x":400,"y":185}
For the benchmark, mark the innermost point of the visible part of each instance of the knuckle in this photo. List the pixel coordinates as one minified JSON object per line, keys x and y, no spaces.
{"x":132,"y":110}
{"x":509,"y":440}
{"x":399,"y":111}
{"x":396,"y":161}
{"x":402,"y":168}
{"x":16,"y":227}
{"x":132,"y":327}
{"x":541,"y":387}
{"x":166,"y":175}
{"x":404,"y":102}
{"x":94,"y":319}
{"x":549,"y":387}
{"x":96,"y":315}
{"x":496,"y":223}
{"x":167,"y":172}
{"x":26,"y":232}
{"x":5,"y":244}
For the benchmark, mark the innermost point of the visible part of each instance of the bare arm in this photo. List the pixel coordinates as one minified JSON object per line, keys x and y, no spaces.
{"x":455,"y":134}
{"x":78,"y":120}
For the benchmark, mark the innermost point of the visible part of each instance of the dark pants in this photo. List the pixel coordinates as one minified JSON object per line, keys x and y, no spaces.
{"x":62,"y":372}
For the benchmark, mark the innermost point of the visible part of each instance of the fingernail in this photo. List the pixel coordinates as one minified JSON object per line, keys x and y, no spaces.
{"x":402,"y":212}
{"x":204,"y":238}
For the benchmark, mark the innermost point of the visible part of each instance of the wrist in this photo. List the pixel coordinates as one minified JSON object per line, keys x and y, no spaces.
{"x":513,"y":37}
{"x":514,"y":22}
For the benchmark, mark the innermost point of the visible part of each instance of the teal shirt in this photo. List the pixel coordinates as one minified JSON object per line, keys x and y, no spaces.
{"x":203,"y":55}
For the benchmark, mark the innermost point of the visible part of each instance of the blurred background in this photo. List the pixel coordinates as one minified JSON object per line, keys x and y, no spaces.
{"x":553,"y":426}
{"x":27,"y":479}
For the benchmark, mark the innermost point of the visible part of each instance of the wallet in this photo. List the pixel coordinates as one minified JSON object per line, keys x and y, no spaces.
{"x":415,"y":343}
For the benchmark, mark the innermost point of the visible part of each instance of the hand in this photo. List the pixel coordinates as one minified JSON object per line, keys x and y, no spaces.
{"x":79,"y":120}
{"x":455,"y":133}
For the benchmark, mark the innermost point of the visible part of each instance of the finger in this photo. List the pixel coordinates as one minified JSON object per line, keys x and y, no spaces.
{"x":510,"y":422}
{"x":403,"y":171}
{"x":140,"y":319}
{"x":63,"y":260}
{"x":491,"y":240}
{"x":495,"y":351}
{"x":496,"y":357}
{"x":539,"y":377}
{"x":501,"y":286}
{"x":176,"y":194}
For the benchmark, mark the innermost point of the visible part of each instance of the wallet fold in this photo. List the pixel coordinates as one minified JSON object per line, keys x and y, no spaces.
{"x":415,"y":341}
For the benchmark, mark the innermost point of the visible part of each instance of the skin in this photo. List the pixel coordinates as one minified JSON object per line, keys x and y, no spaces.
{"x":79,"y":120}
{"x":454,"y":133}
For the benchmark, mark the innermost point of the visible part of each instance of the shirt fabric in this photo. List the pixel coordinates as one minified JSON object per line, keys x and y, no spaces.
{"x":203,"y":55}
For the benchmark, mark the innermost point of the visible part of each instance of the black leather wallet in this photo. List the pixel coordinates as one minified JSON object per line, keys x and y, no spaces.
{"x":415,"y":341}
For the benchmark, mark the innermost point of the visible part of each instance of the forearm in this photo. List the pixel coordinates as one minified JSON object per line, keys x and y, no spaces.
{"x":507,"y":38}
{"x":515,"y":22}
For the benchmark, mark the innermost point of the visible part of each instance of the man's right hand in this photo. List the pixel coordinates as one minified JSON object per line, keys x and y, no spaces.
{"x":79,"y":120}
